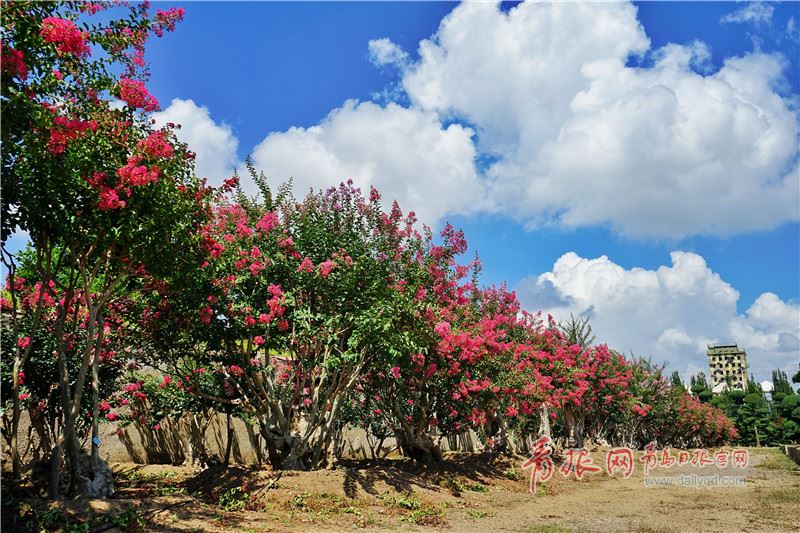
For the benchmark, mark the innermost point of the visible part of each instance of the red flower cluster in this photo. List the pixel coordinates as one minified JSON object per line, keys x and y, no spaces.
{"x":67,"y":38}
{"x":109,"y":200}
{"x":166,"y":20}
{"x":135,"y":94}
{"x":205,"y":315}
{"x":156,"y":146}
{"x":65,"y":129}
{"x":13,"y":63}
{"x":136,"y":175}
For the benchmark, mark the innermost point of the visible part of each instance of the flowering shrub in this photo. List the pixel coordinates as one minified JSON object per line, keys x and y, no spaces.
{"x":331,"y":311}
{"x":297,"y":316}
{"x":39,"y":327}
{"x":101,"y":196}
{"x":293,"y":302}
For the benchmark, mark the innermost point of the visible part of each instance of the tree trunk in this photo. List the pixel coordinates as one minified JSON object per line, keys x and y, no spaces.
{"x":229,"y":442}
{"x":283,"y":448}
{"x":15,"y":420}
{"x":497,"y":432}
{"x":544,"y":422}
{"x":186,"y":439}
{"x":55,"y":471}
{"x":96,"y":396}
{"x":420,"y":447}
{"x":575,"y":429}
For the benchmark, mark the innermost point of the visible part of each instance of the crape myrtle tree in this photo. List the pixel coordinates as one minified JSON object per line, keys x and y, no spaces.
{"x":413,"y":396}
{"x":593,"y":381}
{"x":535,"y":369}
{"x":513,"y":386}
{"x":156,"y":389}
{"x":466,"y":376}
{"x":644,"y":421}
{"x":293,"y":304}
{"x":103,"y":196}
{"x":595,"y":393}
{"x":38,"y":378}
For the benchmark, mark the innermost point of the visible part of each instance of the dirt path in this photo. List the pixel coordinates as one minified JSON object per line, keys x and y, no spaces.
{"x":468,"y":495}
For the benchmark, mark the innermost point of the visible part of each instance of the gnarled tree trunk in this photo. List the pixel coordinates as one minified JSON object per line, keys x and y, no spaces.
{"x":420,"y":447}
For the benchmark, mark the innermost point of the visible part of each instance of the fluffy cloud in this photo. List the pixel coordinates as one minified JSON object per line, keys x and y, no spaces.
{"x":404,"y":152}
{"x":581,"y":138}
{"x":754,"y":12}
{"x":384,"y":52}
{"x":566,"y":131}
{"x":215,"y":144}
{"x":671,"y":313}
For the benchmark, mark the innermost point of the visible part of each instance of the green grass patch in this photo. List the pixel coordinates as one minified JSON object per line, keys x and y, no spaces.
{"x":784,"y":495}
{"x":428,"y":515}
{"x":476,"y":514}
{"x":54,"y":518}
{"x":776,"y":460}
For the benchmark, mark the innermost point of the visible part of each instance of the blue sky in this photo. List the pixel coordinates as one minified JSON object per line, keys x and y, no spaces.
{"x":290,"y":64}
{"x":662,"y":136}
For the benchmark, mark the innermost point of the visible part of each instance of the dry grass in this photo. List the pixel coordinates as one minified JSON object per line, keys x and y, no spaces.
{"x":775,"y":459}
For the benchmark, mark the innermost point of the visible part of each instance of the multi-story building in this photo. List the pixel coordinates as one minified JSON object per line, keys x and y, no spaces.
{"x":727,"y":366}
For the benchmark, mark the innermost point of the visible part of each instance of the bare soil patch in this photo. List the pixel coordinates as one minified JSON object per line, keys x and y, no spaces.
{"x":467,"y":493}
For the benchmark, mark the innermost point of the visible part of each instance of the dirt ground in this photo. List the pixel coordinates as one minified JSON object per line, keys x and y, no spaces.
{"x":469,"y":493}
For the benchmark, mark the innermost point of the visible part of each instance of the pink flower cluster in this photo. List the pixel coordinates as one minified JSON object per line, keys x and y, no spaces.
{"x":109,"y":200}
{"x":267,"y":223}
{"x":67,"y":38}
{"x":326,"y":267}
{"x":90,"y":7}
{"x":306,"y":266}
{"x":135,"y":94}
{"x":13,"y":63}
{"x":64,"y":130}
{"x":155,"y":146}
{"x":166,"y":20}
{"x":137,"y":175}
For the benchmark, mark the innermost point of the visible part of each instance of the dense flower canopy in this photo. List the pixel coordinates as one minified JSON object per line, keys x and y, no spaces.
{"x":300,"y":317}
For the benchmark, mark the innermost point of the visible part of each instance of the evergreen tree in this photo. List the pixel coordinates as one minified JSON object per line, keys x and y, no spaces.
{"x":780,"y":383}
{"x":577,"y":331}
{"x":677,"y":382}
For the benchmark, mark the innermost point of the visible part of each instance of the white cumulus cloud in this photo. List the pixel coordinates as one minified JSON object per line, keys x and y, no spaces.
{"x":580,"y":138}
{"x":538,"y":112}
{"x":670,"y":314}
{"x":404,"y":152}
{"x":215,"y":144}
{"x":384,"y":52}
